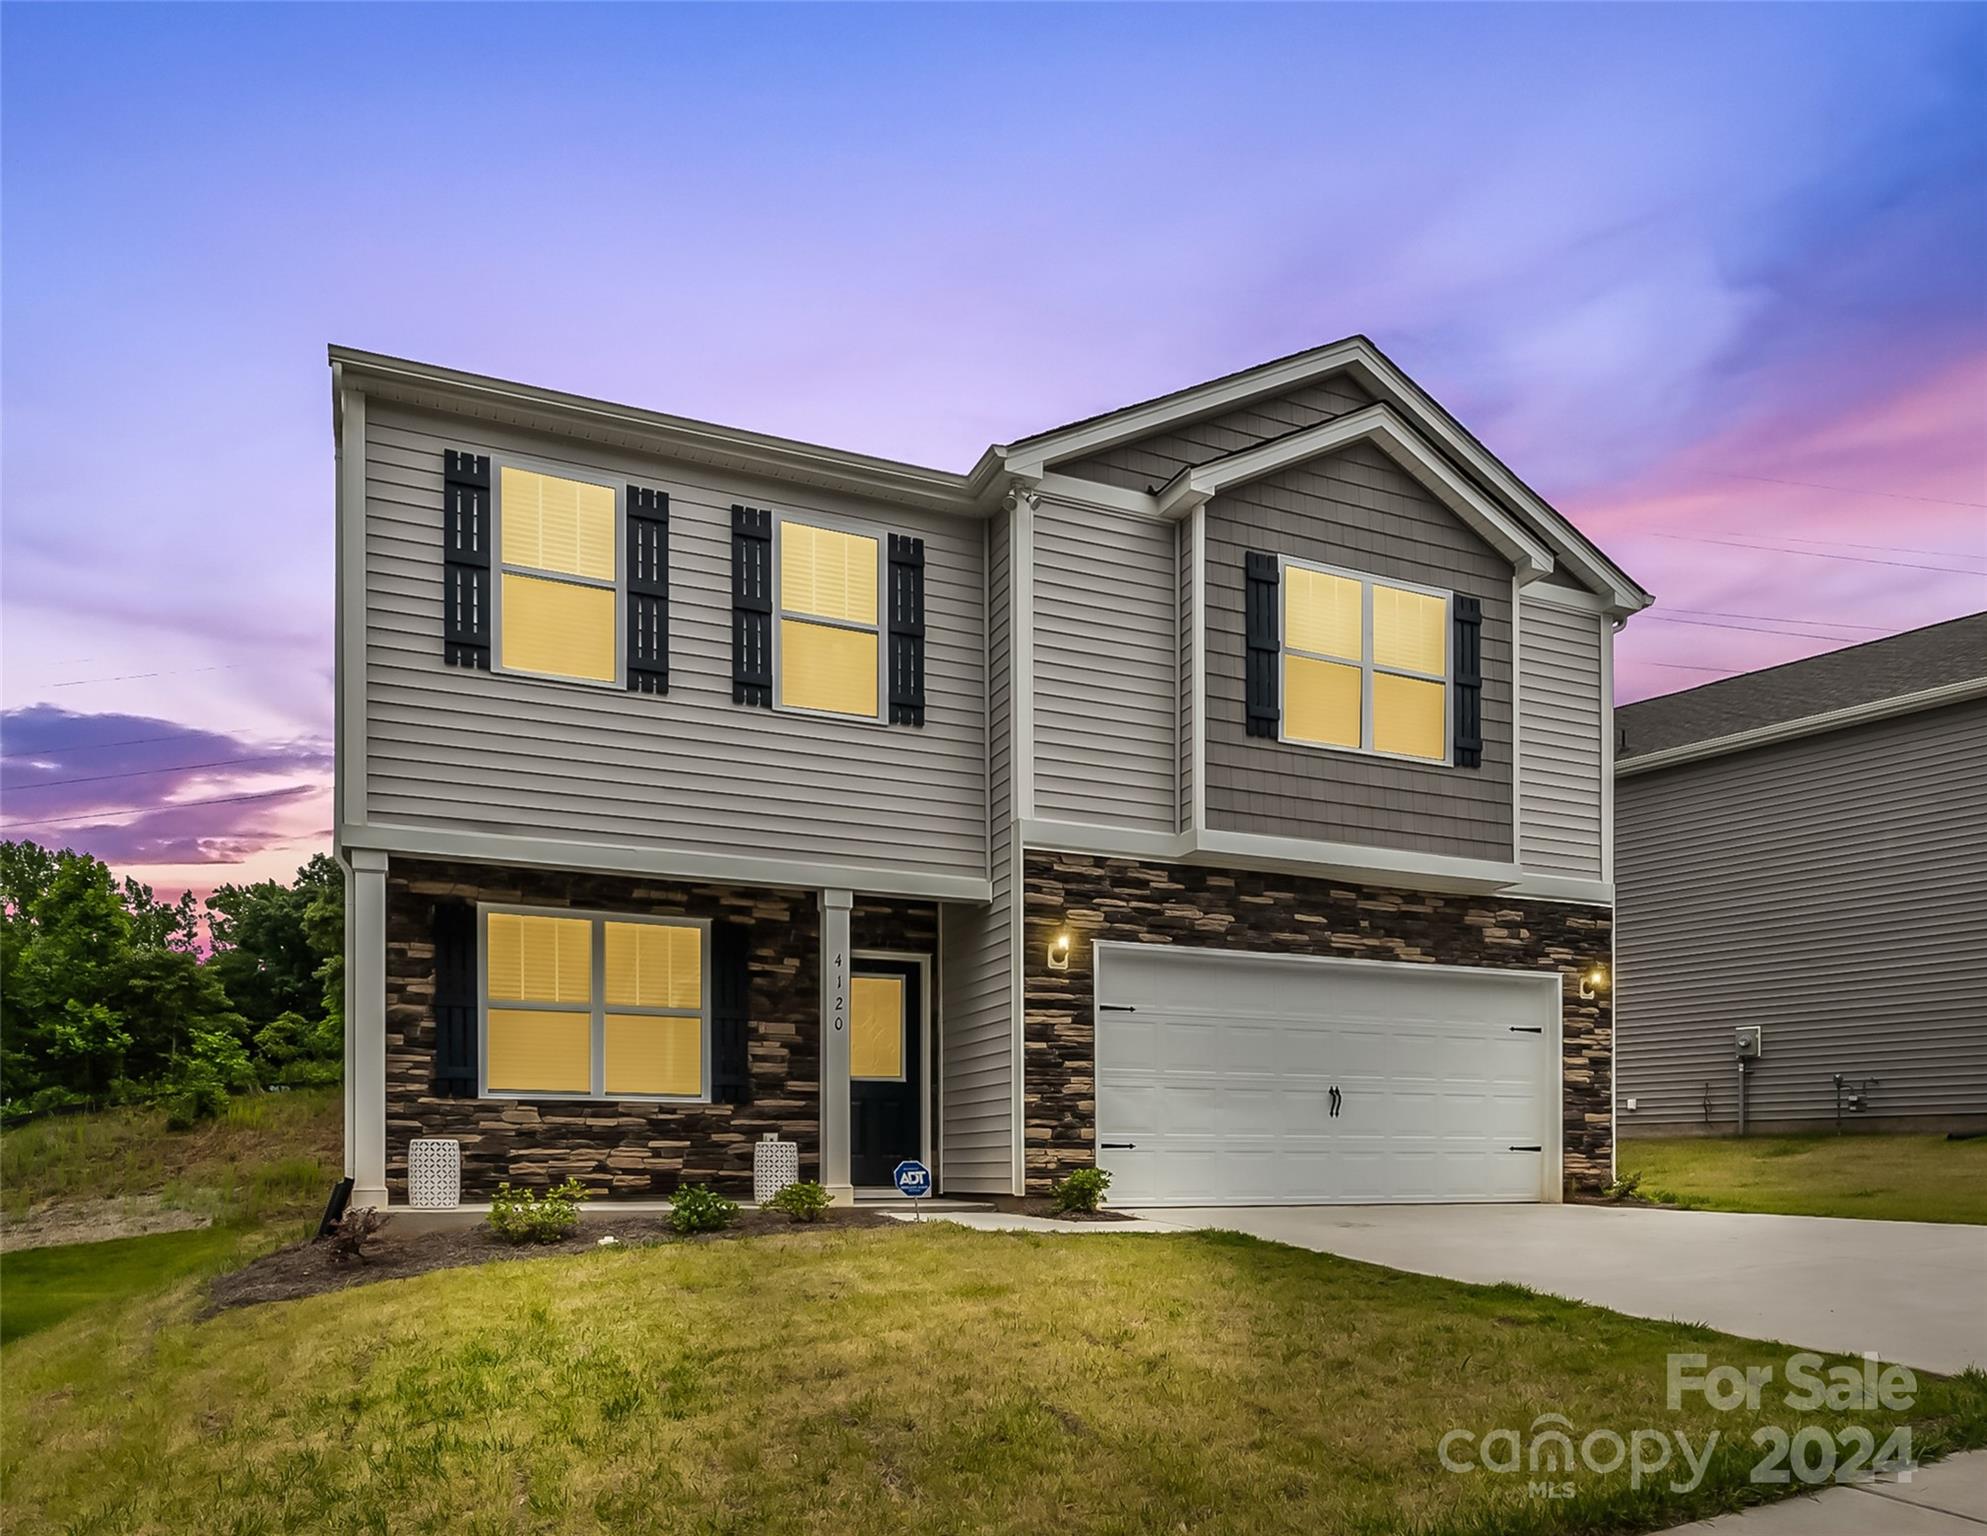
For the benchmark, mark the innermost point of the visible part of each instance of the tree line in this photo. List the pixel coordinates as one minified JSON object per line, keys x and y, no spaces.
{"x":106,"y":996}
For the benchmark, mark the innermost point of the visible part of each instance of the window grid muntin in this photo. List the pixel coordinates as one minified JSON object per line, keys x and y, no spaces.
{"x":598,"y":1008}
{"x":618,"y":586}
{"x":1367,"y":666}
{"x":782,"y":613}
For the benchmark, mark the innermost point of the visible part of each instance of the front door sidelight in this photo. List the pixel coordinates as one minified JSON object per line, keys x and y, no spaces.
{"x":886,"y":1068}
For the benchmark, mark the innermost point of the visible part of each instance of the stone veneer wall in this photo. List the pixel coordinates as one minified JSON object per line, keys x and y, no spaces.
{"x":1140,"y":902}
{"x":633,"y":1149}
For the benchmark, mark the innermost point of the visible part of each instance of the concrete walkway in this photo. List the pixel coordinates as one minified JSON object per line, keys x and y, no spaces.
{"x":1949,"y":1499}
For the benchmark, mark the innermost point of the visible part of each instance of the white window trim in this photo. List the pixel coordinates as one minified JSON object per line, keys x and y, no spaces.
{"x":1367,"y":666}
{"x":781,"y":612}
{"x":598,"y":1008}
{"x":500,"y":568}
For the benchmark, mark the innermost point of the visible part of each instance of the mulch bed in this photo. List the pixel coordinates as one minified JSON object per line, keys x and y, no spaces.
{"x":309,"y":1269}
{"x":1044,"y":1207}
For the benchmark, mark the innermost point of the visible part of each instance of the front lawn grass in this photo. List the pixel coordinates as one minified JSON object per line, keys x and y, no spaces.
{"x":917,"y":1379}
{"x":39,"y":1287}
{"x":1887,"y":1178}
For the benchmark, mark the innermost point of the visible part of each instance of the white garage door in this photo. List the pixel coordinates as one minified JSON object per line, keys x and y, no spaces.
{"x":1235,"y":1079}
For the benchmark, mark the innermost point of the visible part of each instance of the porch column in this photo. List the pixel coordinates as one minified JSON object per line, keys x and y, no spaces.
{"x":835,"y":1045}
{"x":365,"y":1025}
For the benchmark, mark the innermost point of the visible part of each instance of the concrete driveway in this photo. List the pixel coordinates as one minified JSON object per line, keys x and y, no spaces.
{"x":1910,"y":1291}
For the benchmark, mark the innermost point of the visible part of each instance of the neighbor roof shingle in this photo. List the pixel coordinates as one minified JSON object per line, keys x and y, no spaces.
{"x":1952,"y":652}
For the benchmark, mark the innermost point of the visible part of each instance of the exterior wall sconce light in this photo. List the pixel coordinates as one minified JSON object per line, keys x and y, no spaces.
{"x":1593,"y":983}
{"x":1059,"y":951}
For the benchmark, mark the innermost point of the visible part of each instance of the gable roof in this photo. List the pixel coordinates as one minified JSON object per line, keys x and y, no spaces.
{"x":1359,"y":358}
{"x":1920,"y":668}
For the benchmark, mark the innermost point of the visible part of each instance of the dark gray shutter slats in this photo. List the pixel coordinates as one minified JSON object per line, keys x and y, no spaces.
{"x":752,"y":606}
{"x":1260,"y":637}
{"x":465,"y":559}
{"x":648,"y":590}
{"x":1467,"y":684}
{"x":907,"y":630}
{"x":455,"y":1000}
{"x":731,"y":1013}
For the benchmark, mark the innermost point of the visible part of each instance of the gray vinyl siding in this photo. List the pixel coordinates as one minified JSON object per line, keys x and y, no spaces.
{"x":1150,"y":462}
{"x":1560,"y":710}
{"x":976,"y":1009}
{"x":1832,"y":890}
{"x":1107,"y":689}
{"x":1189,"y":686}
{"x":455,"y":749}
{"x":1355,"y":509}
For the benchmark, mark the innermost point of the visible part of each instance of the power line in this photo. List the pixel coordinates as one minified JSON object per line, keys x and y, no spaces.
{"x":1691,"y":666}
{"x":1822,"y":554}
{"x":128,"y":677}
{"x":1748,"y":629}
{"x":162,"y":805}
{"x":135,"y":773}
{"x":92,"y":746}
{"x":1850,"y":490}
{"x":1781,"y":618}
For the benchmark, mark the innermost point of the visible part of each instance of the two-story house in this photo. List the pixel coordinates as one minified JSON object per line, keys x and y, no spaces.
{"x":1216,"y":790}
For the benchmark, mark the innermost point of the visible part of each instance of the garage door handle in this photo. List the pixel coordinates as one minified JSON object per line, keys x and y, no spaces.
{"x":1116,"y":1008}
{"x":1524,"y":1149}
{"x":1118,"y":1146}
{"x":1527,"y":1029}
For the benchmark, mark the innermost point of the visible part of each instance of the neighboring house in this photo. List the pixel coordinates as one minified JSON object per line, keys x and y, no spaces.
{"x":1215,"y":790}
{"x":1803,"y":851}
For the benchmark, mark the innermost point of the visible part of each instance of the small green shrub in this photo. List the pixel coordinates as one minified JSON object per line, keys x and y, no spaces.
{"x":520,"y":1216}
{"x":805,"y":1201}
{"x":1082,"y":1192}
{"x":700,"y":1208}
{"x":1624,"y":1187}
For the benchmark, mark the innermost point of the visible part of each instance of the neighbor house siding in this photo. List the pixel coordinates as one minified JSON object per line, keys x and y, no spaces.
{"x":976,"y":964}
{"x":1149,"y":462}
{"x":1832,"y":890}
{"x":1359,"y":510}
{"x":1560,"y":712}
{"x":1107,"y":661}
{"x":456,"y":750}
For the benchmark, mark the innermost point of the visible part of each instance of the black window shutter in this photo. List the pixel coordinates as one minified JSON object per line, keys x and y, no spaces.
{"x":907,"y":630}
{"x":1468,"y":681}
{"x":731,"y":1013}
{"x":648,"y":590}
{"x":752,"y":606}
{"x":466,"y":559}
{"x":1260,"y":636}
{"x":455,"y":1000}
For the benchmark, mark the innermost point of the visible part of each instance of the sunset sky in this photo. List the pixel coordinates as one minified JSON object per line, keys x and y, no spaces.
{"x":1713,"y":280}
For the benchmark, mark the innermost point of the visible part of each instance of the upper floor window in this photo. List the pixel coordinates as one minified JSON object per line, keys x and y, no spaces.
{"x":558,"y":591}
{"x":829,"y":647}
{"x":1366,"y":664}
{"x":579,"y":1006}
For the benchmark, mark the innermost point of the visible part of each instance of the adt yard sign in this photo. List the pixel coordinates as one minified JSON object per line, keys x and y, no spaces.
{"x":913,"y":1179}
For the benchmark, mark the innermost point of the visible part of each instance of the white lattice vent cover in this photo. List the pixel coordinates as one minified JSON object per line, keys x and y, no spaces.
{"x":775,"y":1164}
{"x":434,"y":1175}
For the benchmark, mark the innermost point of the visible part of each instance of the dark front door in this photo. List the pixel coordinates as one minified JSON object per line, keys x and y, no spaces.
{"x":886,"y":1071}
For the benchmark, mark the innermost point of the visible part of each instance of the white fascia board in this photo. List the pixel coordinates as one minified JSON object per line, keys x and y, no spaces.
{"x":1566,"y":597}
{"x":1808,"y":725}
{"x":666,"y":436}
{"x":1383,"y":427}
{"x":1292,"y":855}
{"x":1535,"y":887}
{"x":668,"y":863}
{"x":1072,"y":491}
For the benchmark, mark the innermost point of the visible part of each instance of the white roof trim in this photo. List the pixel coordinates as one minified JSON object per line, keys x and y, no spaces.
{"x":1807,"y":725}
{"x":1381,"y":426}
{"x":1377,"y":372}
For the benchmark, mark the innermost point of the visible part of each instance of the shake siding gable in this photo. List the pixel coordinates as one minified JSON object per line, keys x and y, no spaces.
{"x":456,"y":750}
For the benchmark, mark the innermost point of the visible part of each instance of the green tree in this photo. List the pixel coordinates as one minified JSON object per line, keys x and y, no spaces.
{"x":266,"y":948}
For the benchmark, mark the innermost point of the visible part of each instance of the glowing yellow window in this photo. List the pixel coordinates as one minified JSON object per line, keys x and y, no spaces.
{"x":558,"y":627}
{"x":1409,"y":716}
{"x":654,"y":965}
{"x":1320,"y":702}
{"x":822,"y":667}
{"x":1321,"y":613}
{"x":827,"y":573}
{"x":532,"y":1050}
{"x":876,"y":1027}
{"x":539,"y":959}
{"x":655,"y":1054}
{"x":1410,"y":631}
{"x":559,"y":525}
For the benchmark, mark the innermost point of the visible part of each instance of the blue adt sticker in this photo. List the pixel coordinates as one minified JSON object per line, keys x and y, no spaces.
{"x":913,"y":1179}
